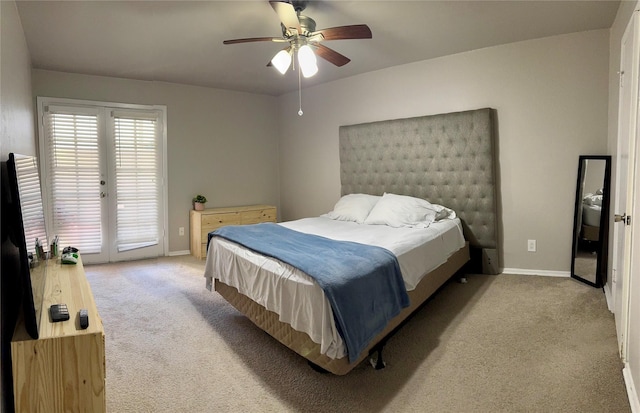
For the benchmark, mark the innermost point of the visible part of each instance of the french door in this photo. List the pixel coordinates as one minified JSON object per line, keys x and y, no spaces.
{"x":103,"y":174}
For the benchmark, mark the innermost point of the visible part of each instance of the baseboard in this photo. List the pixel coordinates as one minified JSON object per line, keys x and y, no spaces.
{"x":176,"y":253}
{"x":543,"y":273}
{"x":631,"y":390}
{"x":609,"y":296}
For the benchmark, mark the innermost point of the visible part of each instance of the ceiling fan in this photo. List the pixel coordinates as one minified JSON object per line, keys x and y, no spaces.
{"x":304,"y":40}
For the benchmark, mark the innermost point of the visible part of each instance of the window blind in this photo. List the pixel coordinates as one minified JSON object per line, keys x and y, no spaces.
{"x":31,"y":202}
{"x":137,"y":180}
{"x":74,"y":178}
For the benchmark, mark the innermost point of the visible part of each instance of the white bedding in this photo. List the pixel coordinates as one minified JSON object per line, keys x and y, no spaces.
{"x":296,"y":297}
{"x":591,"y":215}
{"x":591,"y":209}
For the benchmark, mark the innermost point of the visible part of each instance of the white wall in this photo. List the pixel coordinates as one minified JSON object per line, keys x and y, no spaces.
{"x":551,"y":100}
{"x":17,"y":133}
{"x":221,"y":144}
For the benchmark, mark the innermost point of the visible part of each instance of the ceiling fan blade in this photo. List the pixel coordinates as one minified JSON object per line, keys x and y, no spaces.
{"x":254,"y":39}
{"x":287,"y":15}
{"x":331,"y":55}
{"x":356,"y":31}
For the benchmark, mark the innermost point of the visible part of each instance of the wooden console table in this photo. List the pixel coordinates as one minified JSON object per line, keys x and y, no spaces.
{"x":64,"y":369}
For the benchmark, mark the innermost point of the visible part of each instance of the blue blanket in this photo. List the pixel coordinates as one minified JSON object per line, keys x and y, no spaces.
{"x":363,"y":283}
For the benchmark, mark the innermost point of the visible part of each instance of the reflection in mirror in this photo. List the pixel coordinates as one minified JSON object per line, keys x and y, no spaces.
{"x":31,"y":201}
{"x":31,"y":206}
{"x":590,"y":229}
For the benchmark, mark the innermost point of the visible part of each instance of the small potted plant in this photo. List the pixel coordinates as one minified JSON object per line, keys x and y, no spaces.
{"x":198,"y":202}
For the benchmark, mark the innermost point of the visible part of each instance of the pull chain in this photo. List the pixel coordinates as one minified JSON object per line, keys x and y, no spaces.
{"x":300,"y":113}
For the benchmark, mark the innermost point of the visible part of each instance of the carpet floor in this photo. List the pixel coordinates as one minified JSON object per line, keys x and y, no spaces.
{"x":502,"y":343}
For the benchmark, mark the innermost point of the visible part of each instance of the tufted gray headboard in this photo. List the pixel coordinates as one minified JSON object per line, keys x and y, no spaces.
{"x":447,"y":159}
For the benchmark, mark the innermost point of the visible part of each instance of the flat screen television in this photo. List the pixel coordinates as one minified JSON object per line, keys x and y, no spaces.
{"x":22,"y":223}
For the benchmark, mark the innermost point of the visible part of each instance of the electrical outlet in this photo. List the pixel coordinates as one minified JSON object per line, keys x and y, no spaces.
{"x":181,"y":231}
{"x":531,"y":245}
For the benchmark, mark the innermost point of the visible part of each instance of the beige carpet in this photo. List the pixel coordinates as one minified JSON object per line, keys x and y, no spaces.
{"x":496,"y":344}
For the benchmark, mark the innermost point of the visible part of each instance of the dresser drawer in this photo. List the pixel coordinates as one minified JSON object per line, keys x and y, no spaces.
{"x":262,"y":215}
{"x":215,"y":221}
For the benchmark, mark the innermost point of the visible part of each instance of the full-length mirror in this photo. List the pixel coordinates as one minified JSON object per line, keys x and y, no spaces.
{"x":591,"y":220}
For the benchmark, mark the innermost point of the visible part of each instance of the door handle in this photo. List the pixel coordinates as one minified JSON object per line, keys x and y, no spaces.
{"x":622,"y":218}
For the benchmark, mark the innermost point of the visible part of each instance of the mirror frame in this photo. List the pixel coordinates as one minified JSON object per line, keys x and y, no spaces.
{"x":603,"y":236}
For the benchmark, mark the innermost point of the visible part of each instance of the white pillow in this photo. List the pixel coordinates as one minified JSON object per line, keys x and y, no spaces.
{"x":443,"y":212}
{"x":353,"y":207}
{"x":404,"y":211}
{"x":590,"y":199}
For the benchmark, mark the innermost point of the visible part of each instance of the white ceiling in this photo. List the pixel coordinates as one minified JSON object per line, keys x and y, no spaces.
{"x":181,"y":41}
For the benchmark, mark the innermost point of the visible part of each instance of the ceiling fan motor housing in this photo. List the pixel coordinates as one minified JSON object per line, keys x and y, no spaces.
{"x":307,"y":24}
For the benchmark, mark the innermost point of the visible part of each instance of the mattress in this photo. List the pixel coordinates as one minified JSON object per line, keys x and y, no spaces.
{"x":591,"y":215}
{"x":295,"y":296}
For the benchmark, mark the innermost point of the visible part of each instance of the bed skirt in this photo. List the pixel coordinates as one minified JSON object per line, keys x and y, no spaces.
{"x":303,"y":345}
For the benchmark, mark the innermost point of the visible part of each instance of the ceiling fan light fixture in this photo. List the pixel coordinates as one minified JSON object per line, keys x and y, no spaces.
{"x":300,"y":32}
{"x":282,"y":61}
{"x":307,"y":60}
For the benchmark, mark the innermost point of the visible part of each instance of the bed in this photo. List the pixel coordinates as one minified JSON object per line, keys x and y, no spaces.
{"x":447,"y":159}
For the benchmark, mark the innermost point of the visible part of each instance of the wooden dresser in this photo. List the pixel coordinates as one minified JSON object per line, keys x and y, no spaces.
{"x":203,"y":222}
{"x":64,"y":369}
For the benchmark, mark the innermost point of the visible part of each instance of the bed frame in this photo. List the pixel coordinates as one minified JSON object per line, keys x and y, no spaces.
{"x":448,"y":159}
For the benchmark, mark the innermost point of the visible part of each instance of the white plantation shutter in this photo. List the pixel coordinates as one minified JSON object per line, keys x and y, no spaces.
{"x":31,"y":202}
{"x":73,"y":176}
{"x":136,"y":140}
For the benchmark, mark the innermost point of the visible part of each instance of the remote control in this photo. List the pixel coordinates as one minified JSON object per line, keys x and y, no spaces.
{"x":59,"y":312}
{"x":83,"y":315}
